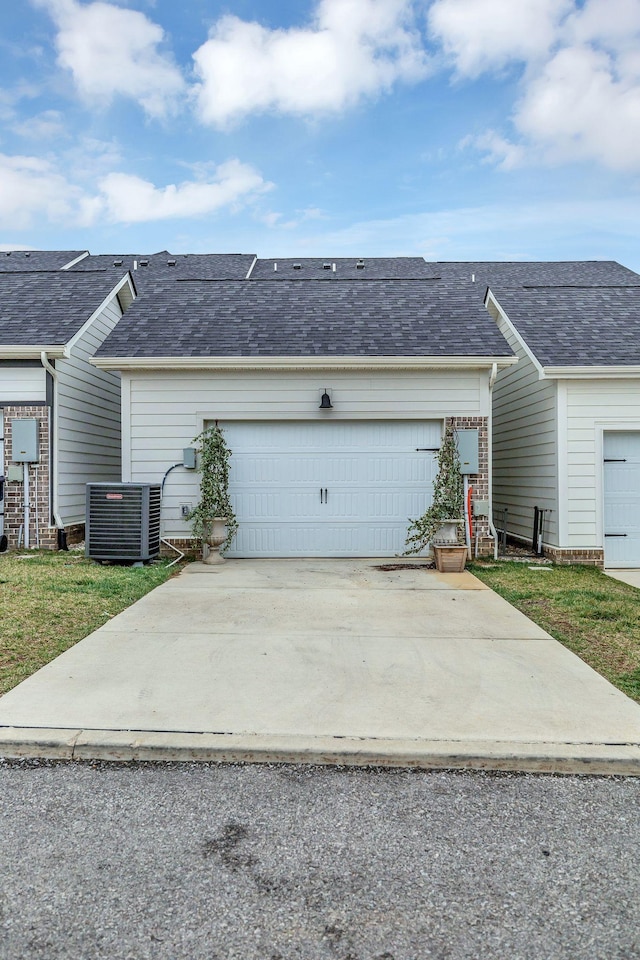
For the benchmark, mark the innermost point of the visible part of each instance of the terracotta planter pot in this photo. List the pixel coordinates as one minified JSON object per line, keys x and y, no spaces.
{"x":450,"y":559}
{"x":216,"y":534}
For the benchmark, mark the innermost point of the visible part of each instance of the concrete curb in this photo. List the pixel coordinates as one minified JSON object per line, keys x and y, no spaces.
{"x":115,"y":745}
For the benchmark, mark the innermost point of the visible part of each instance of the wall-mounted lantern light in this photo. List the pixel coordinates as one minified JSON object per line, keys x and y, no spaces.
{"x":325,"y":401}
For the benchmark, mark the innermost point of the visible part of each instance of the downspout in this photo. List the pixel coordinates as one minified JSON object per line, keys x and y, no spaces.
{"x":494,"y":532}
{"x":48,"y":366}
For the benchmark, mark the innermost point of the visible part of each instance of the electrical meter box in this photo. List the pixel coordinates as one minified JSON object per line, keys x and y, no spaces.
{"x":468,"y":450}
{"x":24,"y":441}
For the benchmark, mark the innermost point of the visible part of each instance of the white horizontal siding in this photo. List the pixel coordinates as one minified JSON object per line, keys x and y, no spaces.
{"x":88,"y":436}
{"x":167,"y":410}
{"x":593,"y":406}
{"x":525,"y":452}
{"x":22,"y":384}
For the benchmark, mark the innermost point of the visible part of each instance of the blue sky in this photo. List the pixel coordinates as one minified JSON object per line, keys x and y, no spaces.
{"x":452,"y":129}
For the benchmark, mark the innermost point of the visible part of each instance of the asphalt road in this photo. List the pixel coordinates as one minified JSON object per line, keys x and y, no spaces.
{"x":276,"y":862}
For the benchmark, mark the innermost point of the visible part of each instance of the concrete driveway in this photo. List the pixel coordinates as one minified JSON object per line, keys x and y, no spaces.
{"x":324,"y":661}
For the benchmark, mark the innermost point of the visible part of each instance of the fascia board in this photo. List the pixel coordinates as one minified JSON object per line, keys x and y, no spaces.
{"x":31,"y":351}
{"x":299,"y":363}
{"x":490,"y":298}
{"x":126,"y":280}
{"x":631,"y":372}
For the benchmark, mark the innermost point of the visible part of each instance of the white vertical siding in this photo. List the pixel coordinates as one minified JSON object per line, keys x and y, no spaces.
{"x":87,"y":410}
{"x":592,"y":407}
{"x":166,"y":410}
{"x":525,"y":455}
{"x":22,"y":384}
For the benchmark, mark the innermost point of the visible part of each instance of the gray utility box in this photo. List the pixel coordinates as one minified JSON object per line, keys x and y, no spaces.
{"x":469,"y":450}
{"x":24,"y":441}
{"x":123,"y":521}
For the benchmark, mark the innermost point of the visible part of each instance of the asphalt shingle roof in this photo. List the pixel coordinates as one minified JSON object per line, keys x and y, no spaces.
{"x":49,"y":307}
{"x":162,"y":266}
{"x":586,"y":273}
{"x":346,"y":268}
{"x":576,"y":326}
{"x":357,"y":318}
{"x":18,"y":261}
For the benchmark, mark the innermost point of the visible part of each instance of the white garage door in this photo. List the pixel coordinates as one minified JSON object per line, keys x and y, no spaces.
{"x":622,"y":498}
{"x":341,"y":489}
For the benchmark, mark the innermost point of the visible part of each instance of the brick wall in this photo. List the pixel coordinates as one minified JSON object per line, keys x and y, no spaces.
{"x":39,"y":482}
{"x":479,"y":482}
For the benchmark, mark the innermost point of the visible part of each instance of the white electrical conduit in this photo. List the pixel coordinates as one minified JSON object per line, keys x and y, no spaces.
{"x":26,"y":504}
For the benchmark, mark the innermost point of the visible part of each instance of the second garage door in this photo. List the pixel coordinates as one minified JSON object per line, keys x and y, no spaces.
{"x":622,"y":498}
{"x":339,"y":489}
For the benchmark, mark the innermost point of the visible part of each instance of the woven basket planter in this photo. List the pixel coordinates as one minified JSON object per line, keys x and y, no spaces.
{"x":450,"y":559}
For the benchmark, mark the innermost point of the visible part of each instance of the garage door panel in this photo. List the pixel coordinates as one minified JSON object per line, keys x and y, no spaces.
{"x":373,"y":478}
{"x":622,"y":498}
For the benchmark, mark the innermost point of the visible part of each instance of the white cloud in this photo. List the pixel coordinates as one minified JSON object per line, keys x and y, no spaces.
{"x":497,"y":149}
{"x":580,"y":84}
{"x":485,"y":35}
{"x":129,"y":199}
{"x":45,"y":126}
{"x":584,"y":106}
{"x":112,"y":51}
{"x":353,"y":49}
{"x":33,"y":190}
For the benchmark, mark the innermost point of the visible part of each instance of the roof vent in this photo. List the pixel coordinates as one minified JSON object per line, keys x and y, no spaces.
{"x":326,"y":266}
{"x":297,"y":266}
{"x":8,"y":254}
{"x":27,"y":254}
{"x":117,"y":263}
{"x":171,"y":263}
{"x":275,"y":266}
{"x":360,"y":265}
{"x":144,"y":263}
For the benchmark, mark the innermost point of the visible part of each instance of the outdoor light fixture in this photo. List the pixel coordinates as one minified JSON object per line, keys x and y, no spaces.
{"x":325,"y":401}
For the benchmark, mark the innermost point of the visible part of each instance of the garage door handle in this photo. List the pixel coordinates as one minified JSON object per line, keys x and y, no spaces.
{"x":616,"y":534}
{"x":613,"y":460}
{"x":427,"y":449}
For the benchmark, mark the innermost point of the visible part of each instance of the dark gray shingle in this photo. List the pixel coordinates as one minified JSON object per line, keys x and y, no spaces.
{"x":49,"y":307}
{"x":346,"y":268}
{"x":576,"y":326}
{"x":149,"y":268}
{"x":357,"y":318}
{"x":19,"y":261}
{"x":587,"y":273}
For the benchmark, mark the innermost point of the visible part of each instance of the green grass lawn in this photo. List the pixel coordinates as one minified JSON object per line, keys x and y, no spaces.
{"x":49,"y":601}
{"x":596,"y":617}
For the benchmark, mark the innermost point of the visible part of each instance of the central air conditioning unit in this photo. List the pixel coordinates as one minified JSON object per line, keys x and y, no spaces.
{"x":123,"y":521}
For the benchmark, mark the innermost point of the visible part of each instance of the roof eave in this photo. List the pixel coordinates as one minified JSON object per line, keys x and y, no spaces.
{"x":300,"y":363}
{"x":31,"y":351}
{"x":631,"y":371}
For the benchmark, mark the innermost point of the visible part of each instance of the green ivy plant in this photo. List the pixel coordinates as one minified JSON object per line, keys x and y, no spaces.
{"x":448,"y":497}
{"x":213,"y":464}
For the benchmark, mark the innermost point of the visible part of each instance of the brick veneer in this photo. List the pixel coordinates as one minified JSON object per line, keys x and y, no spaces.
{"x":39,"y":481}
{"x":39,"y":485}
{"x":480,"y":481}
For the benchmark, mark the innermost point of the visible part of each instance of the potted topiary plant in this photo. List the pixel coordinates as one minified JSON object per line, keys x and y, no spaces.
{"x":440,"y":524}
{"x":213,"y":520}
